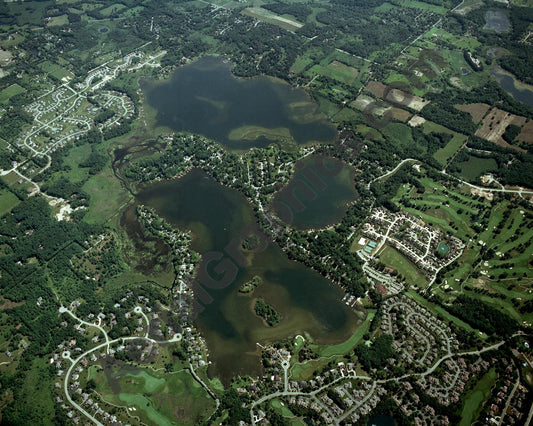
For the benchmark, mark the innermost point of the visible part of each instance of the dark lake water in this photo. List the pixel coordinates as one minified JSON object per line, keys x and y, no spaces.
{"x":206,"y":98}
{"x":220,"y":219}
{"x":317,"y":194}
{"x":508,"y":84}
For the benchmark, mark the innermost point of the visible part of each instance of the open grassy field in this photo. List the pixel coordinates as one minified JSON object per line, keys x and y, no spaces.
{"x":7,"y":201}
{"x":55,"y":70}
{"x":394,"y":259}
{"x":422,"y":6}
{"x":57,"y":21}
{"x":112,"y":9}
{"x":9,"y":92}
{"x":107,"y":196}
{"x":473,"y":402}
{"x":443,"y":155}
{"x":477,"y":166}
{"x":337,"y":71}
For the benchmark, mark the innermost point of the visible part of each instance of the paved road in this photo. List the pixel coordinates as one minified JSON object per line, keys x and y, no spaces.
{"x":400,"y":164}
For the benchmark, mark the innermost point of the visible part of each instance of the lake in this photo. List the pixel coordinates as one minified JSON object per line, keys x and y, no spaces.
{"x":520,"y":91}
{"x":220,"y":219}
{"x":206,"y":98}
{"x":318,"y":194}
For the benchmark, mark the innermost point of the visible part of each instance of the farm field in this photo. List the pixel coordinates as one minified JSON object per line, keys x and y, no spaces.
{"x":8,"y":200}
{"x":476,"y":166}
{"x":9,"y":92}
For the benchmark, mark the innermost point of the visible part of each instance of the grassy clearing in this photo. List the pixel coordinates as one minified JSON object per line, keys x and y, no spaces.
{"x":57,"y":21}
{"x":113,"y":9}
{"x":55,"y":70}
{"x":7,"y":201}
{"x":399,"y":133}
{"x":9,"y":92}
{"x":337,"y":71}
{"x":394,"y":259}
{"x":476,"y":166}
{"x":422,"y":6}
{"x":474,"y":400}
{"x":107,"y":196}
{"x":444,"y":154}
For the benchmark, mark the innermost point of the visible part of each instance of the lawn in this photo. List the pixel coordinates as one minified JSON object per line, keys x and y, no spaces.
{"x":282,"y":409}
{"x":57,"y":21}
{"x":473,"y":401}
{"x":394,"y":259}
{"x":7,"y":201}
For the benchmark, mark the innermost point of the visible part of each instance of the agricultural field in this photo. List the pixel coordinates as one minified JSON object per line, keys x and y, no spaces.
{"x":443,"y":155}
{"x":9,"y":92}
{"x":476,"y":166}
{"x":477,"y":111}
{"x":55,"y":70}
{"x":494,"y":124}
{"x":8,"y":200}
{"x":337,"y":71}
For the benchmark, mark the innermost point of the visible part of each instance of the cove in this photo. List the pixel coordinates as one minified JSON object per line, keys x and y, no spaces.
{"x":206,"y":98}
{"x":317,"y":194}
{"x":218,"y":216}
